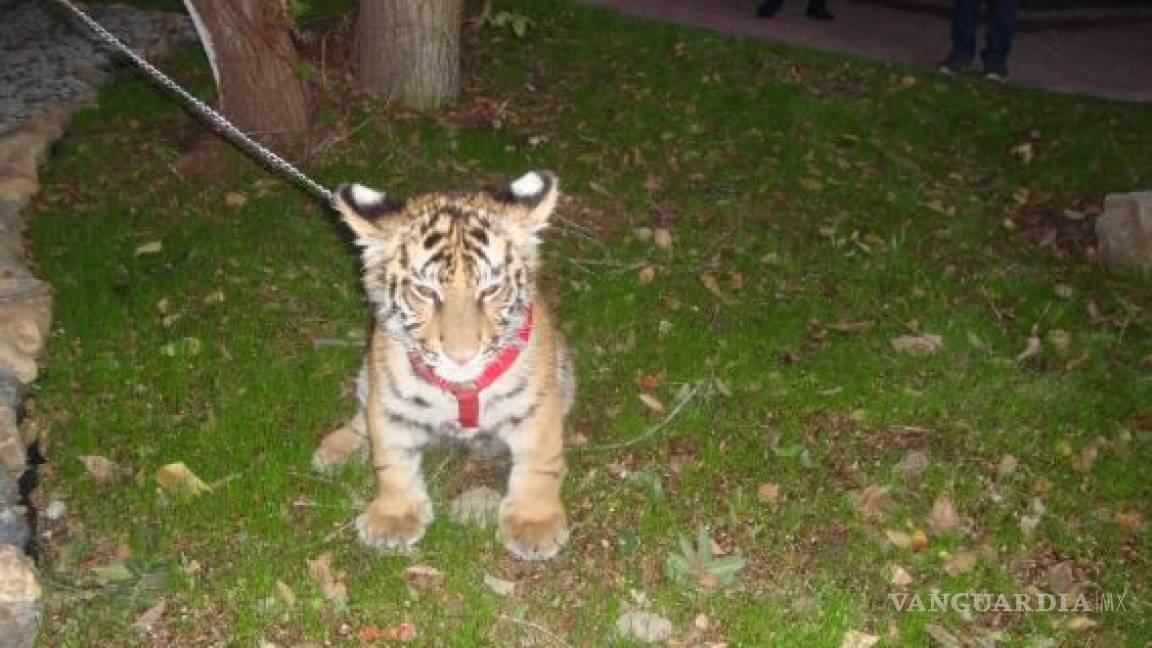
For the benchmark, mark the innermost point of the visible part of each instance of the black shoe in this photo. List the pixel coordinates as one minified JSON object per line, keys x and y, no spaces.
{"x":820,"y":13}
{"x":769,"y":8}
{"x":996,"y":71}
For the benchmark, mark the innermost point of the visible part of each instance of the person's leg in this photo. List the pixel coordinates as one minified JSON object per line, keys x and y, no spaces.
{"x":1001,"y":28}
{"x":818,"y":10}
{"x":964,"y":16}
{"x":768,"y":8}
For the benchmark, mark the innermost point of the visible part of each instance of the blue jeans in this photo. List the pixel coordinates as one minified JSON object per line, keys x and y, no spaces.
{"x":1001,"y":26}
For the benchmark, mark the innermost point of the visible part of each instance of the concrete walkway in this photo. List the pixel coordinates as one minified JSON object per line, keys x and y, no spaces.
{"x":1108,"y":60}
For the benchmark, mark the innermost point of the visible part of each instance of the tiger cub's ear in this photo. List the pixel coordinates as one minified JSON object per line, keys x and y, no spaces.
{"x":532,"y":199}
{"x":368,"y":213}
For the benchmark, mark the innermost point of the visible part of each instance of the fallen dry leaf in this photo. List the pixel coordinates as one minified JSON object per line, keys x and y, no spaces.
{"x":713,"y":287}
{"x":499,"y":585}
{"x":398,"y":632}
{"x":1007,"y":466}
{"x":285,"y":593}
{"x":1078,"y":363}
{"x":328,"y":579}
{"x":857,"y":639}
{"x":873,"y":500}
{"x":1130,"y":520}
{"x":768,"y":493}
{"x":646,"y":274}
{"x":1031,"y":349}
{"x":101,"y":469}
{"x":924,"y":344}
{"x":423,"y":576}
{"x":943,"y":518}
{"x":916,"y":540}
{"x":151,"y":247}
{"x":943,"y":636}
{"x":235,"y":199}
{"x":177,"y":479}
{"x":913,"y":463}
{"x":1062,"y":578}
{"x":900,"y":576}
{"x":1075,"y":624}
{"x":662,"y":238}
{"x":1085,"y":461}
{"x":149,"y":617}
{"x":1060,"y":340}
{"x":960,"y":562}
{"x":850,"y":327}
{"x":652,"y":403}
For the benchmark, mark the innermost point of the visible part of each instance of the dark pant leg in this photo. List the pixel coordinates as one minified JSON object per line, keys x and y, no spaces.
{"x":1001,"y":27}
{"x":964,"y":16}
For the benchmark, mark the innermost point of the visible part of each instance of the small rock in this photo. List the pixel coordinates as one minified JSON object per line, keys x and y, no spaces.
{"x":1124,"y":231}
{"x":56,"y":510}
{"x":644,"y":626}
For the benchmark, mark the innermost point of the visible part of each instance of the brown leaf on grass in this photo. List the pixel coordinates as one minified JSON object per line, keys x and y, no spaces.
{"x":285,"y":593}
{"x":1085,"y":461}
{"x":652,"y":403}
{"x":1078,"y":363}
{"x":925,"y":344}
{"x":235,"y":199}
{"x":899,"y":576}
{"x":499,"y":585}
{"x":1007,"y":466}
{"x":423,"y":576}
{"x":649,"y":381}
{"x":662,"y":238}
{"x":768,"y":494}
{"x":850,"y":327}
{"x":713,"y":287}
{"x":960,"y":562}
{"x":916,"y":540}
{"x":1131,"y":520}
{"x":943,"y":636}
{"x":943,"y":518}
{"x":149,"y":617}
{"x":1060,"y":340}
{"x":646,"y":274}
{"x":857,"y":639}
{"x":1074,"y":624}
{"x":327,"y":579}
{"x":101,"y":469}
{"x":873,"y":501}
{"x":398,"y":632}
{"x":913,"y":463}
{"x":1032,"y":348}
{"x":178,"y":479}
{"x":1062,"y":579}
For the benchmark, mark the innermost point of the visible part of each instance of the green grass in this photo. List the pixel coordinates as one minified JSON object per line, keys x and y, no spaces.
{"x":813,"y":188}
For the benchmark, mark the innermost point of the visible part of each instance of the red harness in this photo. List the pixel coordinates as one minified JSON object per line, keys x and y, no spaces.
{"x":468,"y":394}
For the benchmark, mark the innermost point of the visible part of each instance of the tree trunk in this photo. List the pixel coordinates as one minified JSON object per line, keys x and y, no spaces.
{"x":410,"y":51}
{"x":249,"y":43}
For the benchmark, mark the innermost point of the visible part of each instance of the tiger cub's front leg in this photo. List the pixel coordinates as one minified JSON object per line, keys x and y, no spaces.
{"x":532,"y":521}
{"x":397,"y":517}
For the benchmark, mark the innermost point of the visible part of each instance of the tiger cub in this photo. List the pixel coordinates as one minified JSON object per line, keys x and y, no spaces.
{"x":461,"y":347}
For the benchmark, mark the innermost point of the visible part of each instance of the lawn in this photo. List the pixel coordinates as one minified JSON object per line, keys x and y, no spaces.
{"x":818,"y":207}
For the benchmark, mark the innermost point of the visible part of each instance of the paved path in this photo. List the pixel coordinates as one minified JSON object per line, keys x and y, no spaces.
{"x":1108,"y":60}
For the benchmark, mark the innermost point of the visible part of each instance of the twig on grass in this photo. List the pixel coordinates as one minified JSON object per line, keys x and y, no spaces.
{"x":535,"y":626}
{"x":652,"y":431}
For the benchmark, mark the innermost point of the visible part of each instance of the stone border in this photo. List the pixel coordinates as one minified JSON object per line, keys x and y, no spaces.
{"x":26,"y":315}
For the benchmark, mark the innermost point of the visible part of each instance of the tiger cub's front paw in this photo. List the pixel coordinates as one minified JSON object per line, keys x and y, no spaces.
{"x":533,"y":531}
{"x":338,"y":447}
{"x":392,"y":522}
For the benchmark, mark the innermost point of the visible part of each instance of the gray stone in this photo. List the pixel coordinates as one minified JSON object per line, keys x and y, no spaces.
{"x":1124,"y":232}
{"x":19,"y":599}
{"x":13,"y":522}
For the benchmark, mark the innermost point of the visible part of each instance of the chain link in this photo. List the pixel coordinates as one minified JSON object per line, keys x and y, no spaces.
{"x":214,"y":118}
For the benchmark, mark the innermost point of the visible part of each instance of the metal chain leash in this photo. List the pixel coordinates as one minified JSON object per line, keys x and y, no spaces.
{"x":214,"y":118}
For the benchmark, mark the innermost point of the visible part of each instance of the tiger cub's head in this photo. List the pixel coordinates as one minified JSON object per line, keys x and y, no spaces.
{"x":451,"y":276}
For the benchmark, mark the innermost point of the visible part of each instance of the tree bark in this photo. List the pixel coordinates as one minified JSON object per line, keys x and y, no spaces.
{"x":251,"y":47}
{"x":410,"y":51}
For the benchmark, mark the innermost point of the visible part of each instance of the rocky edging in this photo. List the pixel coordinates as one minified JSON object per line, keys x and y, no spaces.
{"x":48,"y":68}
